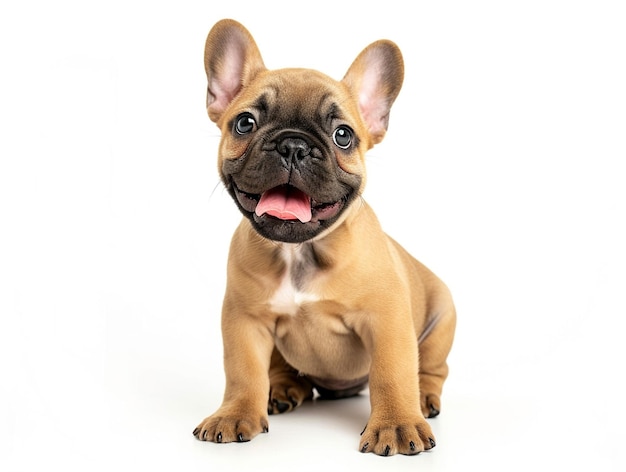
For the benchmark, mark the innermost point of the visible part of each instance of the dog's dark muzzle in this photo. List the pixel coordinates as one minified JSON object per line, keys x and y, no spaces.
{"x":290,"y":186}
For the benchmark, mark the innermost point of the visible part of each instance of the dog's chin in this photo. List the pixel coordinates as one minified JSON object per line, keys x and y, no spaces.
{"x":290,"y":229}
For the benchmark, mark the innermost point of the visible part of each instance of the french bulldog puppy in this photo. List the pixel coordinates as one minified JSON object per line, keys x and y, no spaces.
{"x":318,"y":297}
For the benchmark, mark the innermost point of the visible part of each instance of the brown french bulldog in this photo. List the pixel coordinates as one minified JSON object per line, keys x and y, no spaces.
{"x":318,"y":297}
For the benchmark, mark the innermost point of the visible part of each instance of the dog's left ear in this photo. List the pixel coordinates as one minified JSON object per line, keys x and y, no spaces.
{"x":231,"y":61}
{"x":375,"y":77}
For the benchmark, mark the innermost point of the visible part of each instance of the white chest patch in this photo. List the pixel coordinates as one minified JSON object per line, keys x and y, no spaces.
{"x":288,"y":298}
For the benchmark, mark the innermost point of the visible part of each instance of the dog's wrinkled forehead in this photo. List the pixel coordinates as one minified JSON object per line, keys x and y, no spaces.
{"x":299,"y":98}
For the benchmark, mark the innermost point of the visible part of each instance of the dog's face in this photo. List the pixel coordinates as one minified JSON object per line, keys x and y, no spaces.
{"x":291,"y":155}
{"x":294,"y":140}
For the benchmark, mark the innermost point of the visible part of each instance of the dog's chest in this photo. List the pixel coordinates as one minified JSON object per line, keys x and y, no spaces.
{"x":294,"y":288}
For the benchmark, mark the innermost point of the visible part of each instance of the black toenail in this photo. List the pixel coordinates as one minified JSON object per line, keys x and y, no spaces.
{"x":432,"y":411}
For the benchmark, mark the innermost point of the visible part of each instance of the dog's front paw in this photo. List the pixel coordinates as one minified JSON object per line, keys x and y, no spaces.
{"x":231,"y":425}
{"x":389,"y":437}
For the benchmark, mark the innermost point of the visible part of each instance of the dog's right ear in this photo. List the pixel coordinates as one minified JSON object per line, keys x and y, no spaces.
{"x":231,"y":60}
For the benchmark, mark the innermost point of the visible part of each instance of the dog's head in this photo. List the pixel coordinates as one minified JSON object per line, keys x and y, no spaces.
{"x":294,"y":140}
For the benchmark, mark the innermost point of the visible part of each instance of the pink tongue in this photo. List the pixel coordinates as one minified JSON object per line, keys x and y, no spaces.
{"x":286,"y":203}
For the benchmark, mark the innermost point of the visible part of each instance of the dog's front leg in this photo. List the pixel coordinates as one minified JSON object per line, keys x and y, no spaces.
{"x":396,"y":424}
{"x":248,"y":347}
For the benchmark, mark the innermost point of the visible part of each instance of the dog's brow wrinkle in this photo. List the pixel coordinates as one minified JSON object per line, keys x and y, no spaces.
{"x":334,"y":112}
{"x":263,"y":101}
{"x":261,"y":104}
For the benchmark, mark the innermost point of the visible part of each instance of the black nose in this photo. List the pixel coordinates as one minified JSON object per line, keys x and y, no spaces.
{"x":293,"y":148}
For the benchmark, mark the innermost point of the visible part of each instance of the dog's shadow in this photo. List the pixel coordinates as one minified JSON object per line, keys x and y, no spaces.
{"x":348,"y":414}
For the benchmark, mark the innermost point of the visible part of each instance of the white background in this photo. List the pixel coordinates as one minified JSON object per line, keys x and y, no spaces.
{"x":503,"y":170}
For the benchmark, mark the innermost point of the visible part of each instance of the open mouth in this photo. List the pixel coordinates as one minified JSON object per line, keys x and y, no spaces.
{"x":288,"y":203}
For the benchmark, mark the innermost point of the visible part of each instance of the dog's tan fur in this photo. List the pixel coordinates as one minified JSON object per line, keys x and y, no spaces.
{"x":347,"y":305}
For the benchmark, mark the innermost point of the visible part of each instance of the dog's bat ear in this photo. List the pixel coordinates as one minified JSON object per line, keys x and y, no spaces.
{"x":375,"y":77}
{"x":231,"y":60}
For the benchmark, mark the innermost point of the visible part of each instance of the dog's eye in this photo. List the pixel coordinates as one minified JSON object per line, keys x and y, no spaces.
{"x":245,"y":124}
{"x":342,"y":137}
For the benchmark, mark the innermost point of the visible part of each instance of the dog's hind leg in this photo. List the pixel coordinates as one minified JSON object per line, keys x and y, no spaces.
{"x":288,"y":389}
{"x":434,"y":345}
